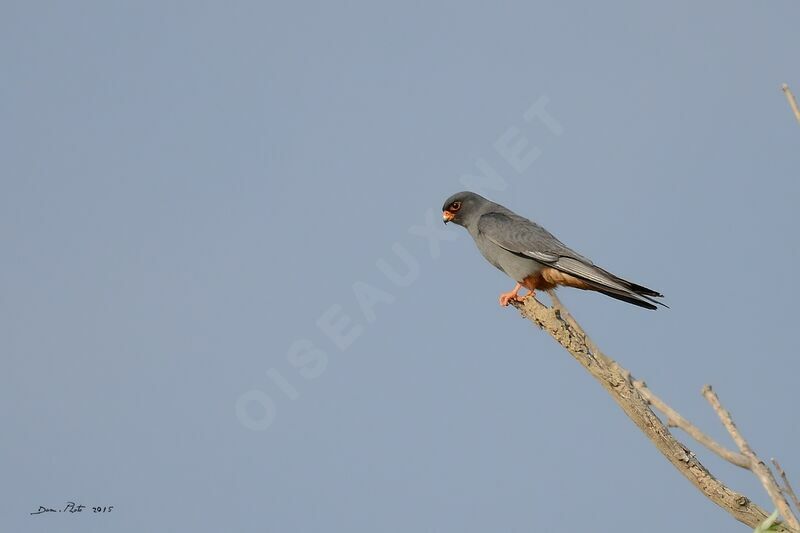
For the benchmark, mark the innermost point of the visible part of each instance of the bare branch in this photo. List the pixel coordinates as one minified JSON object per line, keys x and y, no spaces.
{"x":565,"y":314}
{"x":674,"y":418}
{"x":787,"y":487}
{"x":759,"y":468}
{"x":792,"y":102}
{"x":617,"y":382}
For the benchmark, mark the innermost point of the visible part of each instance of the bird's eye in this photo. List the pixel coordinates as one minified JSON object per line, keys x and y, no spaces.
{"x":455,"y":206}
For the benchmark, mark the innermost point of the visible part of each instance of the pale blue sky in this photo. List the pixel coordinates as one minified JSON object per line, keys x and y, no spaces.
{"x":188,"y":187}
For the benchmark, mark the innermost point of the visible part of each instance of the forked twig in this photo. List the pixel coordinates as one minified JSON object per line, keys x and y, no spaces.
{"x":617,"y":381}
{"x":675,"y":418}
{"x":757,"y":466}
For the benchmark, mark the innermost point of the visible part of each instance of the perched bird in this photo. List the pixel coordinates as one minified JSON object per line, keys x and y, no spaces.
{"x":532,"y":256}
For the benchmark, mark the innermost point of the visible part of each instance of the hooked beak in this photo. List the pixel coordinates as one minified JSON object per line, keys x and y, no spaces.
{"x":447,"y":216}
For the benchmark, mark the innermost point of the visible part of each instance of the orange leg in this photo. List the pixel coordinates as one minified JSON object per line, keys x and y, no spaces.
{"x":507,"y":297}
{"x":526,"y":296}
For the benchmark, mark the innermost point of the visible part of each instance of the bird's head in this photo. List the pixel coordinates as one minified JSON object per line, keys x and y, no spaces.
{"x":463,"y":207}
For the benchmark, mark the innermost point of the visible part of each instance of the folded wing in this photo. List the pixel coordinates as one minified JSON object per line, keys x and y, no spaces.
{"x":523,"y":237}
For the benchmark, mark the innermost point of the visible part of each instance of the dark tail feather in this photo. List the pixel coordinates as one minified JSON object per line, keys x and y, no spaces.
{"x":607,"y":283}
{"x":641,"y":290}
{"x":632,"y":293}
{"x":638,"y":295}
{"x":640,"y":301}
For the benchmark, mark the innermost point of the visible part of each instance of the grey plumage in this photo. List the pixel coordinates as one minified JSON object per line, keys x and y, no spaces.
{"x":523,"y":249}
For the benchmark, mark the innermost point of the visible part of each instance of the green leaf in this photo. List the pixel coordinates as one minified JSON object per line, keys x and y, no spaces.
{"x":768,"y":524}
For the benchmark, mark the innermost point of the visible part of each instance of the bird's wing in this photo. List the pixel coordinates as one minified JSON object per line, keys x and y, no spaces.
{"x":520,"y":236}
